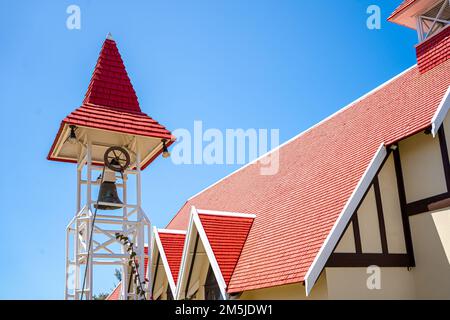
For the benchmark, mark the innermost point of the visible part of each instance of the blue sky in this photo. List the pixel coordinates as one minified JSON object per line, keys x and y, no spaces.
{"x":232,"y":64}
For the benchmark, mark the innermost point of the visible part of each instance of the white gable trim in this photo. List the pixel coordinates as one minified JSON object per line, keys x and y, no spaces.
{"x":194,"y":221}
{"x":339,"y":227}
{"x":172,"y":231}
{"x":226,"y":213}
{"x":441,"y":112}
{"x":162,"y":254}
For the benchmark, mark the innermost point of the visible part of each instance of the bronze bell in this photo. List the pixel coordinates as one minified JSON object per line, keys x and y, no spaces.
{"x":108,"y":193}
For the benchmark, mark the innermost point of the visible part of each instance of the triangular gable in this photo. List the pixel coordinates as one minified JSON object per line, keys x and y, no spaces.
{"x":226,"y":235}
{"x":223,"y":235}
{"x":169,"y":244}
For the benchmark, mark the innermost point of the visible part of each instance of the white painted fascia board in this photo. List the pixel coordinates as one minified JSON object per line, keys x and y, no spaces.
{"x":173,"y":231}
{"x":226,"y":213}
{"x":307,"y":130}
{"x":210,"y":254}
{"x":339,"y":226}
{"x":162,"y":254}
{"x":185,"y":256}
{"x":440,"y":113}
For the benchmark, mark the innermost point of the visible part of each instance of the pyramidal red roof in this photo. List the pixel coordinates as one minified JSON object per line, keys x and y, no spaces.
{"x":173,"y":244}
{"x":110,"y":85}
{"x":111,"y":103}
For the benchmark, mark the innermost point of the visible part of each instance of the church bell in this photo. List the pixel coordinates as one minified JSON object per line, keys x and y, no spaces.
{"x":108,"y":193}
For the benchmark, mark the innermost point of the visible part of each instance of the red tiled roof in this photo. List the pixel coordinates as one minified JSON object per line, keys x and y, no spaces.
{"x":110,"y":102}
{"x":318,"y":171}
{"x":434,"y":50}
{"x":110,"y":85}
{"x":173,"y":244}
{"x":405,"y":4}
{"x":227,"y":236}
{"x":115,"y":294}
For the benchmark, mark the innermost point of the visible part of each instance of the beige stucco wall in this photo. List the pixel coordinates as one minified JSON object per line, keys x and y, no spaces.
{"x":351,"y":283}
{"x":369,"y":225}
{"x":161,"y":283}
{"x":431,"y":241}
{"x":422,"y":167}
{"x":199,"y":273}
{"x":391,"y":207}
{"x":294,"y":291}
{"x":347,"y":242}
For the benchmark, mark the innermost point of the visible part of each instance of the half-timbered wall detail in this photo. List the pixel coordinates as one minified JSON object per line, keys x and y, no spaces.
{"x":376,"y":232}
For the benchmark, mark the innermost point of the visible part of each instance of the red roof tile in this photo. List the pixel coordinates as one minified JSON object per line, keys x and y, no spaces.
{"x":318,"y":171}
{"x":227,"y":236}
{"x":115,"y":294}
{"x":434,"y":50}
{"x":173,"y":244}
{"x":110,"y":85}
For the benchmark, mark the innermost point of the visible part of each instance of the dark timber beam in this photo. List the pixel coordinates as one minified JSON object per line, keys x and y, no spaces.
{"x":402,"y":198}
{"x":368,"y":259}
{"x":381,"y":224}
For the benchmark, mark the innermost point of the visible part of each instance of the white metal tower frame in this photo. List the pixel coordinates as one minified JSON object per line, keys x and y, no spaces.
{"x":131,"y":221}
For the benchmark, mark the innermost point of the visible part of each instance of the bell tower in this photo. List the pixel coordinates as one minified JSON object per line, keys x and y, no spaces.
{"x":431,"y":20}
{"x":111,"y":141}
{"x":428,"y":17}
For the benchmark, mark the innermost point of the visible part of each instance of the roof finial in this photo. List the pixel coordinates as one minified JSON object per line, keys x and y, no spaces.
{"x":109,"y":36}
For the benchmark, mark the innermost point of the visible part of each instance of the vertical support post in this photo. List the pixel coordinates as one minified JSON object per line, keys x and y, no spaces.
{"x":77,"y":261}
{"x":78,"y":190}
{"x":89,"y":227}
{"x":419,"y":28}
{"x":140,"y":231}
{"x":124,"y":293}
{"x":149,"y":252}
{"x":76,"y":241}
{"x":66,"y":292}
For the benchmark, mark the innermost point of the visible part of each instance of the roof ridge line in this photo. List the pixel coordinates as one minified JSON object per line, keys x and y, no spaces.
{"x":305,"y":131}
